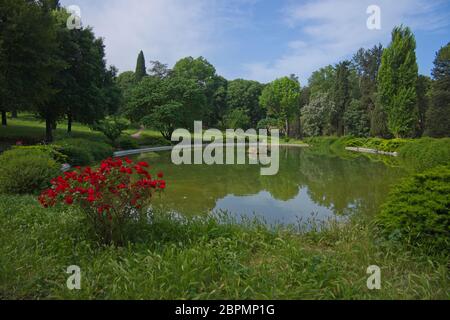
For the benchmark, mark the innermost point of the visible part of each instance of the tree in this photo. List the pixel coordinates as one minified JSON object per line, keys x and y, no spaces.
{"x":316,"y":115}
{"x":237,"y":119}
{"x":159,"y":70}
{"x":204,"y":73}
{"x":438,"y":115}
{"x":356,"y":119}
{"x":322,"y":81}
{"x":423,"y":102}
{"x":379,"y":121}
{"x":27,"y":46}
{"x":167,"y":104}
{"x":112,"y":128}
{"x":281,"y":100}
{"x":244,"y":95}
{"x":141,"y":70}
{"x":341,"y":96}
{"x":397,"y":81}
{"x":125,"y":82}
{"x":219,"y":99}
{"x":143,"y":98}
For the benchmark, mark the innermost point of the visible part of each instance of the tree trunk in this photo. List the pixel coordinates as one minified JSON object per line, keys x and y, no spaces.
{"x":4,"y":121}
{"x":287,"y":128}
{"x":69,"y":122}
{"x":49,"y":130}
{"x":14,"y":114}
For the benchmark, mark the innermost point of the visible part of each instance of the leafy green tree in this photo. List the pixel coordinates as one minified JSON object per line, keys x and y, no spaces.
{"x":397,"y":81}
{"x":85,"y":89}
{"x":438,"y":115}
{"x":27,"y":46}
{"x":281,"y":100}
{"x":219,"y":101}
{"x":268,"y":123}
{"x":112,"y":128}
{"x":167,"y":104}
{"x":204,"y":73}
{"x":143,"y":98}
{"x":341,"y":97}
{"x":356,"y":119}
{"x":159,"y":70}
{"x":316,"y":115}
{"x":244,"y":94}
{"x":367,"y":63}
{"x":141,"y":70}
{"x":322,"y":81}
{"x":378,"y":121}
{"x":237,"y":119}
{"x":423,"y":102}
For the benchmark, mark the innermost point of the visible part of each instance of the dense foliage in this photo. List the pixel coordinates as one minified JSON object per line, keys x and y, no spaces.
{"x":438,"y":115}
{"x":26,"y":171}
{"x":418,"y":211}
{"x":80,"y":152}
{"x":50,"y":70}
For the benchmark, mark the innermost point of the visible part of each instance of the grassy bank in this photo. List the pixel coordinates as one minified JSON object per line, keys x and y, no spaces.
{"x":415,"y":155}
{"x":31,"y":131}
{"x":204,"y":259}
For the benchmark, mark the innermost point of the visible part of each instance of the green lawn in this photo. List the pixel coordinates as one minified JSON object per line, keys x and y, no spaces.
{"x":31,"y":130}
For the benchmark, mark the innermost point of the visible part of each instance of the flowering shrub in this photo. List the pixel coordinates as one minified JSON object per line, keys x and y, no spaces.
{"x":118,"y":192}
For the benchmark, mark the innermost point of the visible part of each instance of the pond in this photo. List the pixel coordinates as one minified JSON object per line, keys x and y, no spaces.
{"x":309,"y":186}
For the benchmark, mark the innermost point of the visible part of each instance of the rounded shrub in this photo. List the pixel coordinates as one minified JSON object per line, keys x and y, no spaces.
{"x":127,"y":143}
{"x":418,"y":210}
{"x":24,"y":171}
{"x":82,"y":152}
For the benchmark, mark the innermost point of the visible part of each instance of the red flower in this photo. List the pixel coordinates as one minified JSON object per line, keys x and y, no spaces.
{"x":122,"y":186}
{"x":160,"y":175}
{"x":68,"y":200}
{"x":143,"y":164}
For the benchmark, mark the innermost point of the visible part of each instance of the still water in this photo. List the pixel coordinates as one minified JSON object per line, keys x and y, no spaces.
{"x":308,"y":184}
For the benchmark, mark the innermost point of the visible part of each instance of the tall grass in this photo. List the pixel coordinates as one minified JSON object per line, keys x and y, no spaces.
{"x":203,"y":258}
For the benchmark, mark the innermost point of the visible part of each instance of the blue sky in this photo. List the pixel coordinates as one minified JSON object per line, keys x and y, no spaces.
{"x":259,"y":39}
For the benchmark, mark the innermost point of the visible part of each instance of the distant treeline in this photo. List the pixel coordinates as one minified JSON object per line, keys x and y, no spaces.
{"x":59,"y":73}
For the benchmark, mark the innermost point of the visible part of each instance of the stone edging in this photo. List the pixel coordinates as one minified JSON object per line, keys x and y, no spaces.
{"x":169,"y":148}
{"x":372,"y":151}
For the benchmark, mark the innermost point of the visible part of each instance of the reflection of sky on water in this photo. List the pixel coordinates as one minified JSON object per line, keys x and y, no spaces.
{"x":273,"y":211}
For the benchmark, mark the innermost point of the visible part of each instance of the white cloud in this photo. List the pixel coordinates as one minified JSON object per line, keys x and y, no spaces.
{"x":165,"y":30}
{"x":331,"y":30}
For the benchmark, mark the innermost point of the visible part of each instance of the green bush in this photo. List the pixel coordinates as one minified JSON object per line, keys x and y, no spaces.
{"x":425,"y":153}
{"x":51,"y":150}
{"x":127,"y":143}
{"x":82,"y":152}
{"x":418,"y":210}
{"x":152,"y":141}
{"x":24,"y":171}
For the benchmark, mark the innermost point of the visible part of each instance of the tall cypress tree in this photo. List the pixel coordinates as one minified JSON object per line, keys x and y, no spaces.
{"x":341,"y":96}
{"x":141,"y":71}
{"x":397,"y":81}
{"x":438,"y":115}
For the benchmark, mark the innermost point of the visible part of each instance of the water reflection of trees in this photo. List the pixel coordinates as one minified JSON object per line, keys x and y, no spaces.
{"x":338,"y":184}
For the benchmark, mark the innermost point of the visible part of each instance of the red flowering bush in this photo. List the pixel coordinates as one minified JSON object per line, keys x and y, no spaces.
{"x":116,"y":193}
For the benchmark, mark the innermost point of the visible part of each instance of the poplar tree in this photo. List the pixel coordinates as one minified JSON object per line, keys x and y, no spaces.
{"x":397,"y":80}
